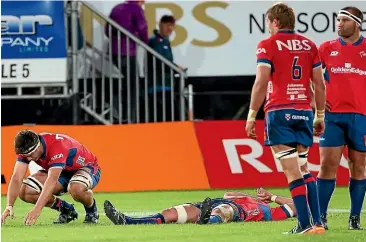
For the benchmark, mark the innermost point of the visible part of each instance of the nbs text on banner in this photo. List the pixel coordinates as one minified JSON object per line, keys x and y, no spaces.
{"x":33,"y":41}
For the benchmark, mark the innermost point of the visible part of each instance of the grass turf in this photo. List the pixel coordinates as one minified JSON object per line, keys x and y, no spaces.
{"x":145,"y":202}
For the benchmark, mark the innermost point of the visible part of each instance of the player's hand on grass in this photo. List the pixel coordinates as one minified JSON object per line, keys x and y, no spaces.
{"x":250,"y":129}
{"x":7,"y":212}
{"x":264,"y":195}
{"x":32,"y":216}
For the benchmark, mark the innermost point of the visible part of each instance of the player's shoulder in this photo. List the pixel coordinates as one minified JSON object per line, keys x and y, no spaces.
{"x":263,"y":47}
{"x":328,"y":44}
{"x":363,"y":43}
{"x":54,"y":140}
{"x":264,"y":42}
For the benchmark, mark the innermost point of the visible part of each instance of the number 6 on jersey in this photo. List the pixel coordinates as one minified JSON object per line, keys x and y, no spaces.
{"x":296,"y":69}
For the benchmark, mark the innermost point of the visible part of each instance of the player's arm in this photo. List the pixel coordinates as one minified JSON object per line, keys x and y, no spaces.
{"x":16,"y":180}
{"x":318,"y":82}
{"x":285,"y":201}
{"x":49,"y":186}
{"x":268,"y":197}
{"x":58,"y":154}
{"x":263,"y":74}
{"x":260,"y":87}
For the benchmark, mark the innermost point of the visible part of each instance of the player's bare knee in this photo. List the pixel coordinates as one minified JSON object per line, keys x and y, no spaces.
{"x":77,"y":190}
{"x":79,"y":184}
{"x":22,"y":193}
{"x":357,"y":169}
{"x":28,"y":195}
{"x":304,"y":169}
{"x":328,"y":170}
{"x":170,"y":215}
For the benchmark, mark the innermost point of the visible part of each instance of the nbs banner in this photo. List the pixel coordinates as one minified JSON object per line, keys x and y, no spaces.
{"x":33,"y":42}
{"x":220,"y":38}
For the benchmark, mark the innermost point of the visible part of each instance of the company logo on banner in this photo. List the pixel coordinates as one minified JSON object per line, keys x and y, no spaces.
{"x":33,"y":42}
{"x":233,"y":160}
{"x":211,"y":34}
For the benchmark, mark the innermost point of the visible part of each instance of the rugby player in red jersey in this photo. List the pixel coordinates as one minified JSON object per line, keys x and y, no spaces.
{"x":287,"y":63}
{"x":344,"y":64}
{"x":68,"y":167}
{"x":233,"y":207}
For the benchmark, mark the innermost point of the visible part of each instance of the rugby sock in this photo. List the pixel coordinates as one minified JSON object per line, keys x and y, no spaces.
{"x":154,"y":219}
{"x":298,"y":193}
{"x":92,"y":209}
{"x":325,"y":190}
{"x":61,"y":205}
{"x":357,"y":194}
{"x":313,"y":198}
{"x":215,"y":219}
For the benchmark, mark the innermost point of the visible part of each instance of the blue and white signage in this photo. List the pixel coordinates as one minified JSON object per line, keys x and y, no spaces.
{"x":33,"y":42}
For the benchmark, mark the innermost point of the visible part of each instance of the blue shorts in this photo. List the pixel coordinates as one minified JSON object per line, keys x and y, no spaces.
{"x":288,"y":126}
{"x":344,"y":129}
{"x":65,"y":177}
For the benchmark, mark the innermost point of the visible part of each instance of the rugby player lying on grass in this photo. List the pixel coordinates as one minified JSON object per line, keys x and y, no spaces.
{"x":233,"y":207}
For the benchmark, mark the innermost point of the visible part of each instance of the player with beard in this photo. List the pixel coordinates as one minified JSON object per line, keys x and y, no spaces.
{"x":344,"y":65}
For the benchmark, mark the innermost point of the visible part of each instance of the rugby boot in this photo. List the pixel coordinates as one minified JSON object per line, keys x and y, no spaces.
{"x":91,"y":218}
{"x":66,"y":216}
{"x":324,"y":221}
{"x":298,"y":230}
{"x":354,"y":223}
{"x":319,"y":229}
{"x":205,"y":211}
{"x":113,"y":214}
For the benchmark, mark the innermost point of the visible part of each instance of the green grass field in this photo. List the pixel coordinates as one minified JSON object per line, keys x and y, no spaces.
{"x":145,"y":202}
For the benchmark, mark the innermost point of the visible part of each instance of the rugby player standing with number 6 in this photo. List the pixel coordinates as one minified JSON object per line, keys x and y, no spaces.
{"x":68,"y":167}
{"x":344,"y":64}
{"x":287,"y":62}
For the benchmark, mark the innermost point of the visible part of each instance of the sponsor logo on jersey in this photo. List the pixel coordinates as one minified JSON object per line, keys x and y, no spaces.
{"x":334,"y":53}
{"x":57,"y":156}
{"x":261,"y":50}
{"x":287,"y":116}
{"x":348,"y":69}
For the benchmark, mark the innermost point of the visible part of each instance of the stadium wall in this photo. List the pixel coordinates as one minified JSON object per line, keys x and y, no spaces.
{"x":172,"y":156}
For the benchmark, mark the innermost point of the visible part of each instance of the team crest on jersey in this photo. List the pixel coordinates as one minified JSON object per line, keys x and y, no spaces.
{"x":287,"y":116}
{"x":80,"y":161}
{"x":363,"y":54}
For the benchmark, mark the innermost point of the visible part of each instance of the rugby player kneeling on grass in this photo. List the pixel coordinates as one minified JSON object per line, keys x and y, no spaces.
{"x":233,"y":207}
{"x":68,"y":167}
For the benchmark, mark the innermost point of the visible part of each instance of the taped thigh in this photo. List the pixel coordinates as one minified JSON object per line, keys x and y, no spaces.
{"x":85,"y":180}
{"x":303,"y":158}
{"x":33,"y":183}
{"x":182,"y":213}
{"x":287,"y":154}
